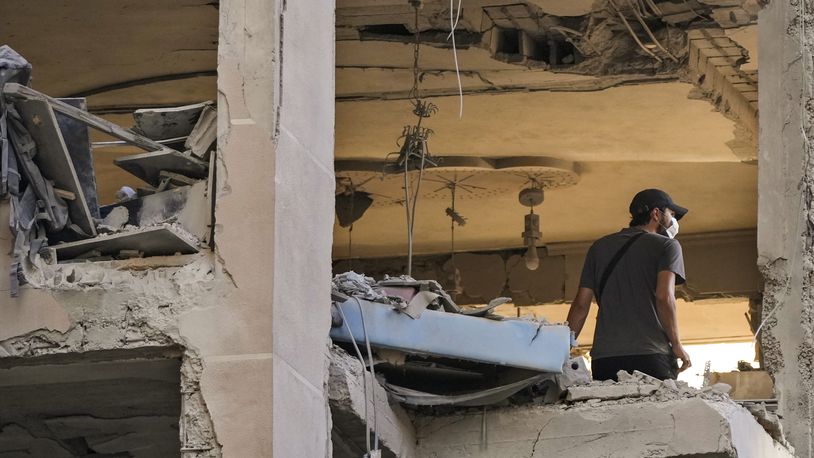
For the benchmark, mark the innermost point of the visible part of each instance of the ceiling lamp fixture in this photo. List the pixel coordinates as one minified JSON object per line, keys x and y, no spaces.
{"x":455,"y":218}
{"x":529,"y":197}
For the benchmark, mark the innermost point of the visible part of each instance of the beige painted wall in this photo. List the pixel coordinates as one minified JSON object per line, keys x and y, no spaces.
{"x":275,"y":141}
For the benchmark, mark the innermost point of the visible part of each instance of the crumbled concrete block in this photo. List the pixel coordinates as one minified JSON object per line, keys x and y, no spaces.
{"x":607,"y":392}
{"x":346,"y":387}
{"x":636,"y":377}
{"x":769,"y":421}
{"x":724,"y":388}
{"x":575,"y":372}
{"x":670,"y":384}
{"x":681,"y":427}
{"x":117,"y":218}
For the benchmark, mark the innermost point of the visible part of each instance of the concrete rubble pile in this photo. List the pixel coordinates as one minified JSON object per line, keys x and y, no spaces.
{"x":420,"y":376}
{"x":47,"y":173}
{"x":640,"y":387}
{"x":635,"y":417}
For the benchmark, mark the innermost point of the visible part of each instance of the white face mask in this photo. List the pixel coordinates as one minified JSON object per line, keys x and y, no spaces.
{"x":672,"y":231}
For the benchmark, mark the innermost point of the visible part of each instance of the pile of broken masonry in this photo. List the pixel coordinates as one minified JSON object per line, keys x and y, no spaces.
{"x":640,"y":387}
{"x":428,"y":379}
{"x":46,"y":172}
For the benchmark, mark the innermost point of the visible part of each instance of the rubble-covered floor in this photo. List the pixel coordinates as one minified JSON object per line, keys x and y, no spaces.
{"x":636,"y":417}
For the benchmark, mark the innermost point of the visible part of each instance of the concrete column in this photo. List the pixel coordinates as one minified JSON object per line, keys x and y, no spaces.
{"x":274,"y":221}
{"x":785,"y":231}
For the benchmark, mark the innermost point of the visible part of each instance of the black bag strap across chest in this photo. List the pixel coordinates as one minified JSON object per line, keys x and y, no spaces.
{"x":612,"y":265}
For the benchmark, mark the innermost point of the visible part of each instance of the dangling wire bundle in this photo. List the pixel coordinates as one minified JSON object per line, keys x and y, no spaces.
{"x":413,"y":152}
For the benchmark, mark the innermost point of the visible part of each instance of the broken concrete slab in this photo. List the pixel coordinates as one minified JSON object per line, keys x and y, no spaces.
{"x":54,"y":160}
{"x":686,"y":427}
{"x":153,"y":241}
{"x":346,"y":396}
{"x":167,"y":123}
{"x":202,"y":138}
{"x":148,"y":166}
{"x":607,"y":392}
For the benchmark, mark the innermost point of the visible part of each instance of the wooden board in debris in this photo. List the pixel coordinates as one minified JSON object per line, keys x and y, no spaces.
{"x":54,"y":160}
{"x":157,"y":241}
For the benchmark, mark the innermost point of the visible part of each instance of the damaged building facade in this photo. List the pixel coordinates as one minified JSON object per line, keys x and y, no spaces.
{"x":182,"y":182}
{"x":154,"y":347}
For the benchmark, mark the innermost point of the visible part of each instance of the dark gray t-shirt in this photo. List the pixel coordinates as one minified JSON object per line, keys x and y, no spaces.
{"x":627,"y":323}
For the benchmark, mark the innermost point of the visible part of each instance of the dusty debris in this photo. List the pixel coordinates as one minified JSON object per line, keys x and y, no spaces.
{"x":640,"y":387}
{"x":358,"y":285}
{"x":609,"y":392}
{"x":116,"y":219}
{"x":47,"y":171}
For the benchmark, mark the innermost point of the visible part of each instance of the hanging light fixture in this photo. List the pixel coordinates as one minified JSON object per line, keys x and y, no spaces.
{"x":530,"y":197}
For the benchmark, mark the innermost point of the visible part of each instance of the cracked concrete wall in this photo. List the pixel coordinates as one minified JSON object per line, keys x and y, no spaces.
{"x":687,"y":427}
{"x":253,"y":316}
{"x":349,"y":405}
{"x":785,"y":226}
{"x":103,"y":306}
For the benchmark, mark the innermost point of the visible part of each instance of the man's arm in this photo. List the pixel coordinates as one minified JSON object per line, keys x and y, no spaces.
{"x":666,"y":310}
{"x":578,"y":312}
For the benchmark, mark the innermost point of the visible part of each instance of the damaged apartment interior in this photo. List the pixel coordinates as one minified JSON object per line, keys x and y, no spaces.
{"x":355,"y":228}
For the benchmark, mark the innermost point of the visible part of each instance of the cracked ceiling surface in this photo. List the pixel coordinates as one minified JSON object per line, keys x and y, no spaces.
{"x":629,"y":120}
{"x":625,"y":117}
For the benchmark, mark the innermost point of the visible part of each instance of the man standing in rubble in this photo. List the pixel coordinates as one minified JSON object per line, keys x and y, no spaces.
{"x":632,"y":274}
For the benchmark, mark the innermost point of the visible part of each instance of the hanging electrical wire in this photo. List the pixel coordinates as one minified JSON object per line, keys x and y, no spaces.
{"x":455,"y":218}
{"x":414,"y":153}
{"x":452,"y":26}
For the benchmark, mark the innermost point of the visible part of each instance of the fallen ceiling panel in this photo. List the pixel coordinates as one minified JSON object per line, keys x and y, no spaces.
{"x":154,"y":241}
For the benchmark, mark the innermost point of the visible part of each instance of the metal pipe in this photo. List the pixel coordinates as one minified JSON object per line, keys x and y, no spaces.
{"x":633,"y":34}
{"x":124,"y":143}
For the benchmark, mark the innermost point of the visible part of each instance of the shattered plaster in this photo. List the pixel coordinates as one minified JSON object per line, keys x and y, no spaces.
{"x":785,"y":229}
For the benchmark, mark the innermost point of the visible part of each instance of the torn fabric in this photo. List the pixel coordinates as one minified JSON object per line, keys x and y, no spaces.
{"x":477,"y":398}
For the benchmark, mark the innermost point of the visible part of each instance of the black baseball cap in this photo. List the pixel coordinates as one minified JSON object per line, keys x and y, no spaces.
{"x":649,"y":199}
